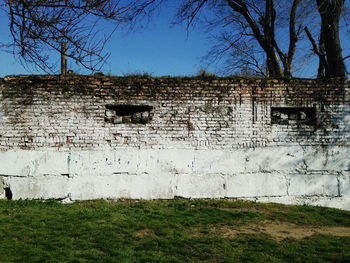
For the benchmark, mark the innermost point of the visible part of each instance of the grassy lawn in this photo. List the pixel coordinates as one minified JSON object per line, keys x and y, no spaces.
{"x":171,"y":231}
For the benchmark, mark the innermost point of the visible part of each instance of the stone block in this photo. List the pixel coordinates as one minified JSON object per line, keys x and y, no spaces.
{"x":95,"y":162}
{"x":39,"y":187}
{"x":123,"y":185}
{"x":255,"y":184}
{"x":313,"y":184}
{"x":344,"y":184}
{"x":219,"y":161}
{"x":30,"y":162}
{"x":269,"y":159}
{"x":199,"y":186}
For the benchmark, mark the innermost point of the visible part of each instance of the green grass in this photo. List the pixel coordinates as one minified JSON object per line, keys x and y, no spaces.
{"x":164,"y":231}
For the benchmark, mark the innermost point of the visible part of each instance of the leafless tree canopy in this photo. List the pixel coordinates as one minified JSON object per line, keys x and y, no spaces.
{"x":263,"y":36}
{"x":260,"y":37}
{"x":40,"y":26}
{"x":250,"y":32}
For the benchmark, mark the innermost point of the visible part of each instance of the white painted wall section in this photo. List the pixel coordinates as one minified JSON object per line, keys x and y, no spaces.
{"x":165,"y":174}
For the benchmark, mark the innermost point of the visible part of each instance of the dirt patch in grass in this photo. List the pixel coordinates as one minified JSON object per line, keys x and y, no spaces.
{"x":282,"y":230}
{"x":144,"y":233}
{"x":278,"y":231}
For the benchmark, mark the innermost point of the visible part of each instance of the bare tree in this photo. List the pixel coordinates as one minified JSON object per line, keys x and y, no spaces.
{"x":40,"y":26}
{"x":257,"y":22}
{"x":243,"y":21}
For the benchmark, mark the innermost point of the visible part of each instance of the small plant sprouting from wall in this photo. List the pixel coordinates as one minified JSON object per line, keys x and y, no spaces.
{"x":202,"y":73}
{"x":127,"y":113}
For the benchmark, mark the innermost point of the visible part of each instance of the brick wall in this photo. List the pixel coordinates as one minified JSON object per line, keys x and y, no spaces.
{"x":83,"y":137}
{"x":72,"y":113}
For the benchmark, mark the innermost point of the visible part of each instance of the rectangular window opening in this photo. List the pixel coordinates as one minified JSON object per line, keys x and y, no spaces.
{"x":128,"y":113}
{"x":293,"y":115}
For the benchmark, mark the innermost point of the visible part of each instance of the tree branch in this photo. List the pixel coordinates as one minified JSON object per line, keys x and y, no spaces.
{"x":313,"y":42}
{"x":240,"y":7}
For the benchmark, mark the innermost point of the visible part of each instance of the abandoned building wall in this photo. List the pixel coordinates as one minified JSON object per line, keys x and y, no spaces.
{"x":83,"y":137}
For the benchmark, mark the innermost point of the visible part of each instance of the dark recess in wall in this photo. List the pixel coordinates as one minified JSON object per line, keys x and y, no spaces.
{"x":127,"y":113}
{"x":127,"y":109}
{"x":293,"y":115}
{"x":8,"y":193}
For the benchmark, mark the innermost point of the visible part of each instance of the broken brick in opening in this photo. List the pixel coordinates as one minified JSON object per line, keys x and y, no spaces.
{"x":128,"y":113}
{"x":293,"y":115}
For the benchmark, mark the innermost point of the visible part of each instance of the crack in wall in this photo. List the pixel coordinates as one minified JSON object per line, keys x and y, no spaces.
{"x":338,"y":176}
{"x":287,"y":184}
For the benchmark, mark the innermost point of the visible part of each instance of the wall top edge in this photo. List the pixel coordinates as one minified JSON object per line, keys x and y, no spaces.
{"x":166,"y":79}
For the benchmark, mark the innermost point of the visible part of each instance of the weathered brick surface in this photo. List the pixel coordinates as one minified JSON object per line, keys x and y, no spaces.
{"x":70,"y":113}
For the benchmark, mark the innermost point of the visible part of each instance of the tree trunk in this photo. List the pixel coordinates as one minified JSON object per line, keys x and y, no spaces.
{"x":273,"y":65}
{"x":268,"y":24}
{"x":63,"y":58}
{"x":330,"y":14}
{"x":323,"y":64}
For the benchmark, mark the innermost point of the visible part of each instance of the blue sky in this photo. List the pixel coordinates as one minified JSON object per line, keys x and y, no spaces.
{"x":158,"y":49}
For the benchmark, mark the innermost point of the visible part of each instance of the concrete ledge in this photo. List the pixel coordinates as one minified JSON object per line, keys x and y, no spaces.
{"x":165,"y":174}
{"x":327,"y":190}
